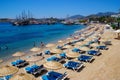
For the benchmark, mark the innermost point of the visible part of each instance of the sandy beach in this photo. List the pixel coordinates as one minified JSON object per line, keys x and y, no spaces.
{"x":104,"y":67}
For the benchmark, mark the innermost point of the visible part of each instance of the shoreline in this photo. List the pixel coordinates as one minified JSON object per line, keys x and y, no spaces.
{"x":27,"y":51}
{"x":26,"y":48}
{"x":107,"y":63}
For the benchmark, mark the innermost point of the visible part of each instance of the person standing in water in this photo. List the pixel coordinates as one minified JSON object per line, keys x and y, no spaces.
{"x":42,"y":45}
{"x":34,"y":44}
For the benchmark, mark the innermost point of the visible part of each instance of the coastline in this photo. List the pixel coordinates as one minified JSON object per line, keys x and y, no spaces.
{"x":26,"y":48}
{"x":107,"y":63}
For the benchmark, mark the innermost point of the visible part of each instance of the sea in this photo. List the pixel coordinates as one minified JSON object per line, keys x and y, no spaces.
{"x":22,"y":38}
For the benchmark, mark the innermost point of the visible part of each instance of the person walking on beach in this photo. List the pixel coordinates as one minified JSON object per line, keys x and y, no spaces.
{"x":34,"y":44}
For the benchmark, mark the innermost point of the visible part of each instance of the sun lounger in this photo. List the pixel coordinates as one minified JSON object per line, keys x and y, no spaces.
{"x":51,"y":75}
{"x":76,"y":50}
{"x":59,"y":47}
{"x":73,"y":65}
{"x":34,"y":69}
{"x":93,"y":52}
{"x":63,"y":55}
{"x":102,"y":47}
{"x":19,"y":63}
{"x":6,"y":77}
{"x":85,"y":58}
{"x":54,"y":58}
{"x":47,"y":52}
{"x":107,"y":42}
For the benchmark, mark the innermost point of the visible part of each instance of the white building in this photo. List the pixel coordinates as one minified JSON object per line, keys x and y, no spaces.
{"x":118,"y":15}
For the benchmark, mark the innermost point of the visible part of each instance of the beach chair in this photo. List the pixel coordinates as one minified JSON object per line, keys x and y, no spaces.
{"x":93,"y":52}
{"x":102,"y":47}
{"x":52,"y":75}
{"x":63,"y":55}
{"x":54,"y":58}
{"x":59,"y":47}
{"x":73,"y":65}
{"x":19,"y":63}
{"x":6,"y":77}
{"x":85,"y":58}
{"x":76,"y":50}
{"x":29,"y":70}
{"x":35,"y":69}
{"x":107,"y":43}
{"x":47,"y":52}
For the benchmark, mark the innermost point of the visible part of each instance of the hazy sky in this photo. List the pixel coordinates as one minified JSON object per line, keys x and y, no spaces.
{"x":56,"y":8}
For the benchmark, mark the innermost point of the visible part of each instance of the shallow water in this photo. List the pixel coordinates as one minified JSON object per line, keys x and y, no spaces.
{"x":22,"y":38}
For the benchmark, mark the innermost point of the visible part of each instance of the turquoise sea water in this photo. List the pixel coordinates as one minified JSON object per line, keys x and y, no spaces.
{"x":22,"y":38}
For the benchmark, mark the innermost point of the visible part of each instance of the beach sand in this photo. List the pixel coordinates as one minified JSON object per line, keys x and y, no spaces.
{"x":104,"y":67}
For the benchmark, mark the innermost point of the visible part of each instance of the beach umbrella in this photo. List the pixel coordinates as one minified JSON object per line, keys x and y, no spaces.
{"x":35,"y":49}
{"x":72,"y":54}
{"x":34,"y":59}
{"x":53,"y":65}
{"x":83,"y":35}
{"x":69,"y":38}
{"x":56,"y":51}
{"x":94,"y":44}
{"x":50,"y":45}
{"x":88,"y":39}
{"x":84,"y":48}
{"x":68,"y":46}
{"x":60,"y":41}
{"x":8,"y":70}
{"x":80,"y":43}
{"x":22,"y":76}
{"x":18,"y":54}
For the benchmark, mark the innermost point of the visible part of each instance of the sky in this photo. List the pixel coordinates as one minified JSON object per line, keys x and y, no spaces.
{"x":56,"y":8}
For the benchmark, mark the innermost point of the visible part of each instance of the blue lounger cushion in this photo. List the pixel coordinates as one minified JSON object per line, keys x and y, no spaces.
{"x":47,"y":52}
{"x":72,"y":64}
{"x":53,"y":58}
{"x":17,"y":62}
{"x":20,"y":61}
{"x":93,"y":52}
{"x":59,"y":47}
{"x":76,"y":50}
{"x":85,"y":58}
{"x":6,"y":77}
{"x":63,"y":55}
{"x":35,"y":67}
{"x":54,"y":74}
{"x":47,"y":77}
{"x":29,"y":69}
{"x":14,"y":63}
{"x":101,"y":47}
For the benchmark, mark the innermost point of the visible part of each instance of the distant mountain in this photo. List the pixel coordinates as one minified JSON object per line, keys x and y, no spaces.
{"x":102,"y":14}
{"x":76,"y":17}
